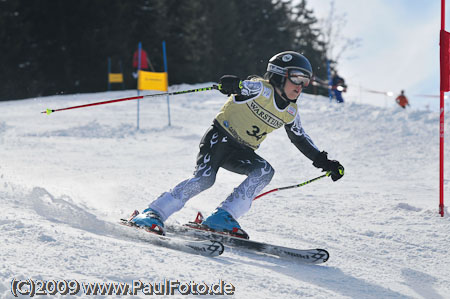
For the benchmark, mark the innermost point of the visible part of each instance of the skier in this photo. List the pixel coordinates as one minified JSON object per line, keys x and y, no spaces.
{"x":145,"y":62}
{"x":255,"y":108}
{"x":402,"y":100}
{"x":338,"y":87}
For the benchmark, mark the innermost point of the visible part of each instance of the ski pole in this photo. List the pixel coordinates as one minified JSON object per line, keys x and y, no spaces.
{"x":50,"y":111}
{"x":294,"y":186}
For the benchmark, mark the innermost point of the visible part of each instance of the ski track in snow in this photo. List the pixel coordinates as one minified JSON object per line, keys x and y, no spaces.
{"x":66,"y":179}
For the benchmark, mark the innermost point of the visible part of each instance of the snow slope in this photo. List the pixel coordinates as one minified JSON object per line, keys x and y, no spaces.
{"x":65,"y":179}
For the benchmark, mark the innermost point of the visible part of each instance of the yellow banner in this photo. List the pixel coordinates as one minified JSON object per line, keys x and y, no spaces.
{"x":152,"y":81}
{"x":115,"y":78}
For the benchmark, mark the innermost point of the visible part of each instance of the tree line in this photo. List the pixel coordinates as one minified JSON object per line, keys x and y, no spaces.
{"x":56,"y":47}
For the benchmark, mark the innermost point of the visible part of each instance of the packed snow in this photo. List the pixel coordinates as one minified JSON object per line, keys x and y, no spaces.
{"x":67,"y":178}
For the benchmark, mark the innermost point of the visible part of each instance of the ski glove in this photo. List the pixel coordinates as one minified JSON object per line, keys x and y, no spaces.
{"x":230,"y":84}
{"x":322,"y":161}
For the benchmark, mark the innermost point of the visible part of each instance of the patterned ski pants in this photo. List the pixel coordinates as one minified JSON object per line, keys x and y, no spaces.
{"x":216,"y":150}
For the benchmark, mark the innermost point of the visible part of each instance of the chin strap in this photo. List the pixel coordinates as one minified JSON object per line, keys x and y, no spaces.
{"x":283,"y":94}
{"x":285,"y":98}
{"x":279,"y":92}
{"x":280,"y":95}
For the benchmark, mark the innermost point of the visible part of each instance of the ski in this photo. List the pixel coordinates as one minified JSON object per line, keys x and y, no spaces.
{"x":195,"y":230}
{"x":205,"y":247}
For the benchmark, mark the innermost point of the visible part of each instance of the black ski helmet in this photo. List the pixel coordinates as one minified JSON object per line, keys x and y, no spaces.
{"x":281,"y":63}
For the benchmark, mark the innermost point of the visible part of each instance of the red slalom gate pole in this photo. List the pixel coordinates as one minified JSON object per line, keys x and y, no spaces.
{"x":50,"y":111}
{"x":444,"y":65}
{"x":441,"y":158}
{"x":293,"y":186}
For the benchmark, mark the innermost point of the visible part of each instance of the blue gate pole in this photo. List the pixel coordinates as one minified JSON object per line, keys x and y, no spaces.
{"x":138,"y":69}
{"x":121,"y":71}
{"x":109,"y":71}
{"x":165,"y":70}
{"x":330,"y":83}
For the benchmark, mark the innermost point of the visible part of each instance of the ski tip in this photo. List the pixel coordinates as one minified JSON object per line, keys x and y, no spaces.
{"x":321,"y":256}
{"x":207,"y":248}
{"x":221,"y":247}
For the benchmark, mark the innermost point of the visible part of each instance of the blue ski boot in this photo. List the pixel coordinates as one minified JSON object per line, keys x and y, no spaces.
{"x":150,"y":220}
{"x":221,"y":221}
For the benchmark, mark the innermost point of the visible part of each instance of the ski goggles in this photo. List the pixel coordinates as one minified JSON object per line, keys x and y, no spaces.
{"x":298,"y":77}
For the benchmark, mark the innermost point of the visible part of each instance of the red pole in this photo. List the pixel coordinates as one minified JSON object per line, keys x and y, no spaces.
{"x":270,"y":191}
{"x":294,"y":186}
{"x":48,"y":111}
{"x":441,"y":131}
{"x":216,"y":87}
{"x":441,"y":158}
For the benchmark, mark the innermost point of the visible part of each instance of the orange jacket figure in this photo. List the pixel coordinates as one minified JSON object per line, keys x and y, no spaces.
{"x":144,"y":60}
{"x":402,"y":100}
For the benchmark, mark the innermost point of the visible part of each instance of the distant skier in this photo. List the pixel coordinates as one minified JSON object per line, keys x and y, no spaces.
{"x":145,"y":62}
{"x":255,"y":108}
{"x":402,"y":100}
{"x":338,"y":86}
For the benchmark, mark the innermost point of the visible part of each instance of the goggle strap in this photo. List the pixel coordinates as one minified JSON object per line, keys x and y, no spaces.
{"x":276,"y":69}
